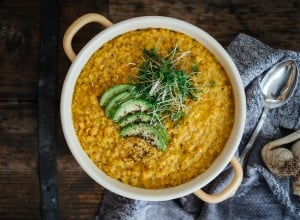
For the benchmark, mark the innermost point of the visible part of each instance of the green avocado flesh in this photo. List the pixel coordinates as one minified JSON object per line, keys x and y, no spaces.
{"x":111,"y":92}
{"x":130,"y":106}
{"x":136,"y":117}
{"x":114,"y":101}
{"x":132,"y":115}
{"x":147,"y":132}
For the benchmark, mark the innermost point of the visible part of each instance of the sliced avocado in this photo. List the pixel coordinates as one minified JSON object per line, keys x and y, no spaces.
{"x":142,"y":117}
{"x":163,"y":131}
{"x":147,"y":132}
{"x":130,"y":106}
{"x":114,"y":102}
{"x":112,"y":91}
{"x":136,"y":117}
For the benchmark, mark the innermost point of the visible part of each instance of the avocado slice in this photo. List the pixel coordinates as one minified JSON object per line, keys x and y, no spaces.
{"x":130,"y":106}
{"x":147,"y":132}
{"x":136,"y":117}
{"x":142,"y":117}
{"x":163,"y":131}
{"x":114,"y":101}
{"x":112,"y":91}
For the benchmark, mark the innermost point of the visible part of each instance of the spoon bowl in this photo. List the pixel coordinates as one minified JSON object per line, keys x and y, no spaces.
{"x":277,"y":85}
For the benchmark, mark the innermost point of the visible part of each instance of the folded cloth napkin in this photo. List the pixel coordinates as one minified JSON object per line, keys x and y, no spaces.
{"x":261,"y":195}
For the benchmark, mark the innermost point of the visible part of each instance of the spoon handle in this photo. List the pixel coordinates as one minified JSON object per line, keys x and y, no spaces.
{"x":247,"y":150}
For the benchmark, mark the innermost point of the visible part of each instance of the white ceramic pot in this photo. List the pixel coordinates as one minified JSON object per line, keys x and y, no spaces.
{"x":78,"y":62}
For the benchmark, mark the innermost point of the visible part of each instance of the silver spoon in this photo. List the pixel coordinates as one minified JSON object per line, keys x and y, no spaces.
{"x":277,"y":85}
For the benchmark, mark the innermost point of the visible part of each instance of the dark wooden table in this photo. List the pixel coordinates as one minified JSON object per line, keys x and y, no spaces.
{"x":32,"y":59}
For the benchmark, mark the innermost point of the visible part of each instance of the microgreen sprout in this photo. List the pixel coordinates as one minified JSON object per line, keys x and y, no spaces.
{"x":164,"y":84}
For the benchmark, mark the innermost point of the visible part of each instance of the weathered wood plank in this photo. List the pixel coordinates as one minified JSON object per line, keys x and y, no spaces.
{"x":47,"y":106}
{"x":19,"y":43}
{"x":79,"y":196}
{"x":274,"y":22}
{"x":19,"y":184}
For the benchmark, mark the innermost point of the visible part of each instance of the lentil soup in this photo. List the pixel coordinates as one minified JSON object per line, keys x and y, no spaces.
{"x":194,"y":142}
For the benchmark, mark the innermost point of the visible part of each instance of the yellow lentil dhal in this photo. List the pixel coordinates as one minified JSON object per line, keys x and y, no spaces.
{"x":194,"y":143}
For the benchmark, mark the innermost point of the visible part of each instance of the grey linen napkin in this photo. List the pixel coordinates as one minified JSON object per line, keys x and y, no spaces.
{"x":261,"y":195}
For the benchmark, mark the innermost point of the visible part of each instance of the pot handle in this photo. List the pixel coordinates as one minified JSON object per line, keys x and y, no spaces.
{"x":229,"y":190}
{"x":76,"y":26}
